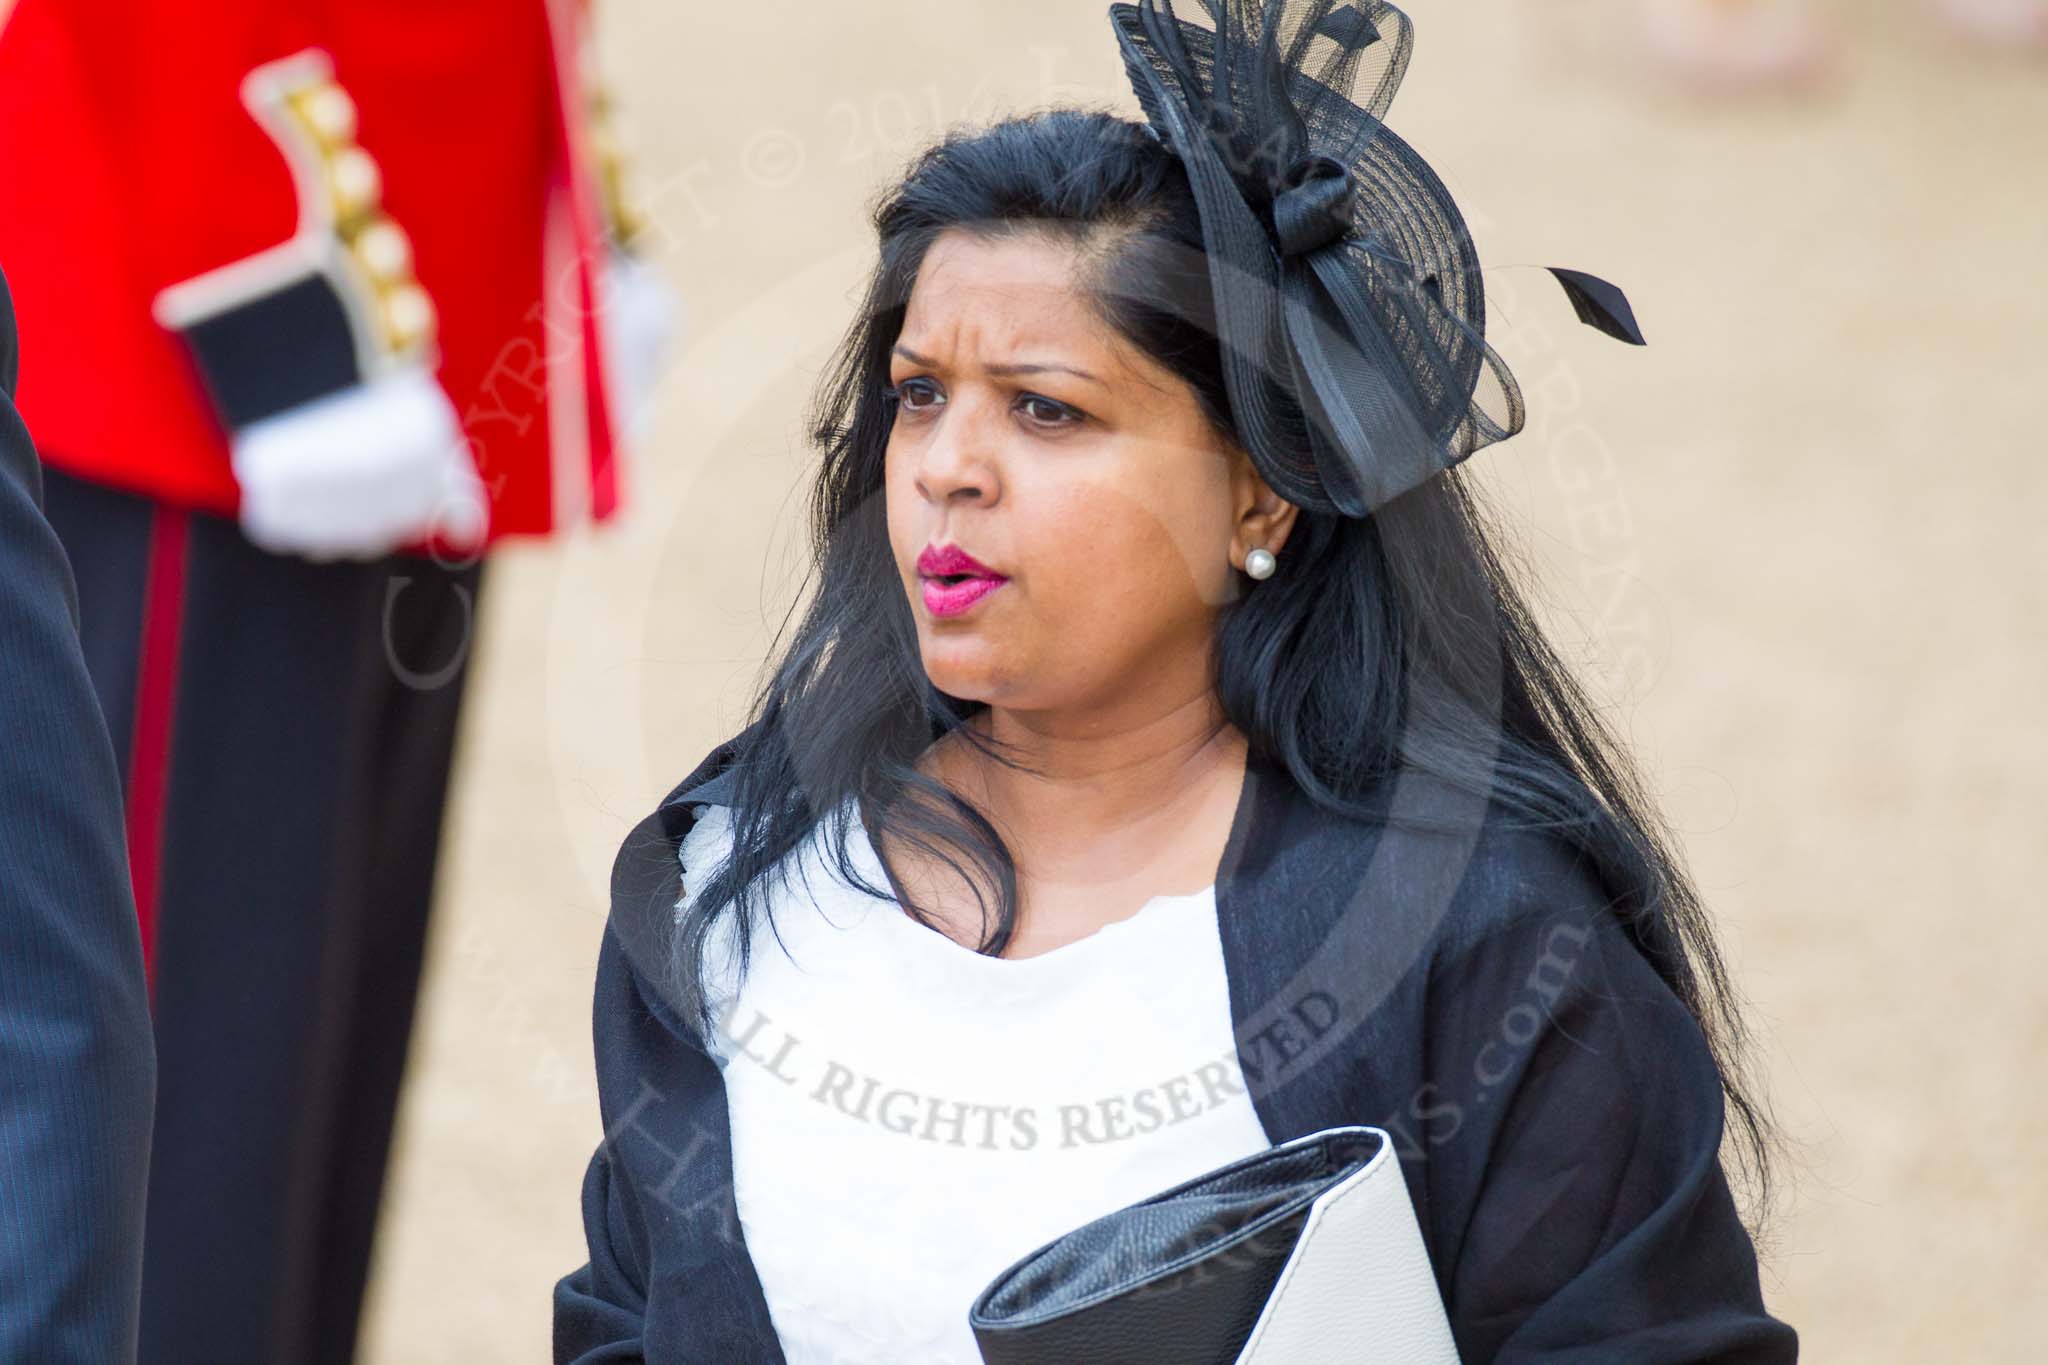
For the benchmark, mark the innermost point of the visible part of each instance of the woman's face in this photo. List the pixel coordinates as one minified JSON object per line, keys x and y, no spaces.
{"x":1055,"y":453}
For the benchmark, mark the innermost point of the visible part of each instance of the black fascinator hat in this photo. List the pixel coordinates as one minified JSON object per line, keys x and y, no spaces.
{"x":1343,"y":273}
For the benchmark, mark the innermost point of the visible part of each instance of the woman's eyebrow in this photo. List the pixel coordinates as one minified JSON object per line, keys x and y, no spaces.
{"x":1034,"y":368}
{"x":1005,"y":371}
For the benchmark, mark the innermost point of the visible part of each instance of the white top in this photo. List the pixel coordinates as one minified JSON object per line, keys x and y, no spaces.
{"x":909,"y":1116}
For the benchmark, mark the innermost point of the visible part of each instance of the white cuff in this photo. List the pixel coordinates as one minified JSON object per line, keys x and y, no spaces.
{"x":358,"y":473}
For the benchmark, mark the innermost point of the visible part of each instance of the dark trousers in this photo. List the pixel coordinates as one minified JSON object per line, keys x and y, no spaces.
{"x":285,"y":730}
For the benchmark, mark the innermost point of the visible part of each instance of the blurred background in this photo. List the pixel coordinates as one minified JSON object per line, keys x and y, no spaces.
{"x":1791,"y":544}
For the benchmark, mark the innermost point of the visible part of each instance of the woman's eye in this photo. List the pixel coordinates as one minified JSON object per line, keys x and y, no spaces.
{"x":916,"y":395}
{"x":1047,"y":412}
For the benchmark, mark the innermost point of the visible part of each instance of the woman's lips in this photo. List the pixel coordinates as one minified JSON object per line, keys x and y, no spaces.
{"x":950,"y":599}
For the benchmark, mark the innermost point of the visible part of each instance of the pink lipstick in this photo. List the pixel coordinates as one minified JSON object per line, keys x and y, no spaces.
{"x":954,"y":580}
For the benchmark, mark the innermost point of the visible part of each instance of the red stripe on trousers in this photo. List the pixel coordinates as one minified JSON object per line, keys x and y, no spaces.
{"x":156,"y":677}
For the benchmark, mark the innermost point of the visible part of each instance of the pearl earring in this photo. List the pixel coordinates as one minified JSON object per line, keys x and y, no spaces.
{"x":1260,"y":563}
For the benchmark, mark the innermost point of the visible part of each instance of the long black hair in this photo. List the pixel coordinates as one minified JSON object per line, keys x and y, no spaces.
{"x":1391,"y":641}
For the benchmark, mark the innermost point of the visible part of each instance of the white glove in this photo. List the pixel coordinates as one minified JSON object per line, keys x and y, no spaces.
{"x":361,"y":472}
{"x":638,"y":313}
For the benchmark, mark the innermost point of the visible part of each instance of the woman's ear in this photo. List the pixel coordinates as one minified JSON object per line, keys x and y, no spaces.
{"x":1264,"y":518}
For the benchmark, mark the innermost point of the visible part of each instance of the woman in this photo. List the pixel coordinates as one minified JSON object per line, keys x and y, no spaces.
{"x":1165,"y":768}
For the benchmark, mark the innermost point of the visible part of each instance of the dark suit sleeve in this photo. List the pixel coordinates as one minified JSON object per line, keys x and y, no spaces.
{"x":1597,"y":1224}
{"x":77,"y":1065}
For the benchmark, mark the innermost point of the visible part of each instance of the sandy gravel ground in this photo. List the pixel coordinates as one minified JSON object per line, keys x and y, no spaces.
{"x":1795,"y":543}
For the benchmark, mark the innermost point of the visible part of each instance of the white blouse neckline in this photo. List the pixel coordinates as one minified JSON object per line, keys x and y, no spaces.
{"x":938,"y":945}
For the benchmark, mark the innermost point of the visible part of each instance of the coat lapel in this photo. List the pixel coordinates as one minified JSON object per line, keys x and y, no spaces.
{"x":705,"y":1297}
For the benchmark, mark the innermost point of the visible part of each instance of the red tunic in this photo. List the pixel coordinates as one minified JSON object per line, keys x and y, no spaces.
{"x":132,"y":164}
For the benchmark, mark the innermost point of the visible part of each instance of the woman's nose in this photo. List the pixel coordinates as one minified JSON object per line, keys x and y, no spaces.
{"x":957,"y":463}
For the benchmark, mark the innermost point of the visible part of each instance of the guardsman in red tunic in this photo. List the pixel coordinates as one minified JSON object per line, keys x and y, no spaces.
{"x":317,"y":306}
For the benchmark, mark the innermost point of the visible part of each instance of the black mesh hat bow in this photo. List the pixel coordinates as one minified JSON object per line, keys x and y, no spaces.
{"x":1344,"y":276}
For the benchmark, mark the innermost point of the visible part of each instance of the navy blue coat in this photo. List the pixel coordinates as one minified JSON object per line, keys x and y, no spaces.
{"x":1555,"y":1107}
{"x":77,"y":1064}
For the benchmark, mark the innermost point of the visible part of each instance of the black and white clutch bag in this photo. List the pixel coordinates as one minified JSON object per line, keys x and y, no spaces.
{"x":1307,"y":1253}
